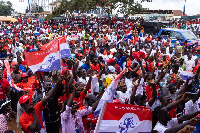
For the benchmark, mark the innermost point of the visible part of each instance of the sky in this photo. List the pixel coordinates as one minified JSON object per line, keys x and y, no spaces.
{"x":191,"y":5}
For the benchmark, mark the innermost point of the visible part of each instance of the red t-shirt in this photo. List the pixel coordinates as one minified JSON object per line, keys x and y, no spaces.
{"x":27,"y":87}
{"x":89,"y":121}
{"x":61,"y":100}
{"x":95,"y":67}
{"x":80,"y":99}
{"x":149,"y":91}
{"x":3,"y":85}
{"x":27,"y":119}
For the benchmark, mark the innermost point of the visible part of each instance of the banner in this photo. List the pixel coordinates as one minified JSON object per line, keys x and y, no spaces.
{"x":44,"y":61}
{"x":124,"y":118}
{"x":109,"y":93}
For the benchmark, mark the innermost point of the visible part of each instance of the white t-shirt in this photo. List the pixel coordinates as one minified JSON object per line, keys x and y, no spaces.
{"x":84,"y":81}
{"x":161,"y":128}
{"x":123,"y":96}
{"x":194,"y":58}
{"x":190,"y":64}
{"x":191,"y":107}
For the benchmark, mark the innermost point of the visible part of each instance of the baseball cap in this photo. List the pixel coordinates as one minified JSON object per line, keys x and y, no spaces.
{"x":28,"y":46}
{"x":139,"y":96}
{"x":80,"y":54}
{"x":23,"y":99}
{"x":112,"y":60}
{"x":23,"y":75}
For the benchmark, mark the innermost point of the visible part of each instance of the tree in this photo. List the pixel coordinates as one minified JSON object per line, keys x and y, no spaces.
{"x":125,"y":7}
{"x":6,"y":8}
{"x":35,"y":9}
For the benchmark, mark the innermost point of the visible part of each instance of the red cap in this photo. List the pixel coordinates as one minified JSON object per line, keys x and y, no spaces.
{"x":112,"y":60}
{"x":28,"y":46}
{"x":23,"y":75}
{"x":80,"y":54}
{"x":116,"y":101}
{"x":23,"y":99}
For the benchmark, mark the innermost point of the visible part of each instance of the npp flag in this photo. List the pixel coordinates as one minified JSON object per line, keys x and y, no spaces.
{"x":124,"y":118}
{"x":64,"y":47}
{"x":10,"y":80}
{"x":126,"y":37}
{"x":186,"y":75}
{"x":109,"y":93}
{"x":48,"y":45}
{"x":44,"y":61}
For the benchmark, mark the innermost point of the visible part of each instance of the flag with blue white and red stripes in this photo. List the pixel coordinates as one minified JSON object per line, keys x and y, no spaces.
{"x":126,"y":37}
{"x":129,"y":119}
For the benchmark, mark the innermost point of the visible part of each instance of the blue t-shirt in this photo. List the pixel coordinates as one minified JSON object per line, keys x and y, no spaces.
{"x":120,"y":61}
{"x":85,"y":66}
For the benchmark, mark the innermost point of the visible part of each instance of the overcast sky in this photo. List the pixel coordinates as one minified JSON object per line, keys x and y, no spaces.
{"x":192,"y":6}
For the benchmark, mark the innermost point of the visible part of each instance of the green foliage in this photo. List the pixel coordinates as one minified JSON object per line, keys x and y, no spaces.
{"x":6,"y":8}
{"x":125,"y":7}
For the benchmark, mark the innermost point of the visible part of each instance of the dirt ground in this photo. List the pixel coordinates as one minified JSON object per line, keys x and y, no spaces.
{"x":12,"y":125}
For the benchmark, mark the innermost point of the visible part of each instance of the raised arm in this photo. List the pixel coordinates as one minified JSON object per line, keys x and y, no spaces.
{"x":154,"y":93}
{"x":71,"y":99}
{"x":68,"y":80}
{"x":88,"y":85}
{"x":177,"y":128}
{"x":51,"y":93}
{"x":35,"y":126}
{"x":176,"y":103}
{"x":132,"y":97}
{"x":142,"y":67}
{"x":103,"y":88}
{"x":147,"y":56}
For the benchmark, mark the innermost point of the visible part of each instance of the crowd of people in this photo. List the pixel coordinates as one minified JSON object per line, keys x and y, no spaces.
{"x":66,"y":99}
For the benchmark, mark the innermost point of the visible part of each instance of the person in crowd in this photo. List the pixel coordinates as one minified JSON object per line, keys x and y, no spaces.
{"x":160,"y":75}
{"x":31,"y":119}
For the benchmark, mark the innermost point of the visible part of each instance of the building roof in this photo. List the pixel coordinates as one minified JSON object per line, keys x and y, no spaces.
{"x":177,"y":12}
{"x":53,"y":3}
{"x":46,"y":12}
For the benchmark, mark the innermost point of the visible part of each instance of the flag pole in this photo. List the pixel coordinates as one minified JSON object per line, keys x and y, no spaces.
{"x":100,"y":117}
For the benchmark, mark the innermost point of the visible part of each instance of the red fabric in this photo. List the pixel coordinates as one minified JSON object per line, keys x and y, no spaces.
{"x":172,"y":113}
{"x":95,"y":67}
{"x":33,"y":80}
{"x":149,"y":91}
{"x":89,"y":122}
{"x":27,"y":87}
{"x":61,"y":100}
{"x":26,"y":119}
{"x":4,"y":84}
{"x":80,"y":99}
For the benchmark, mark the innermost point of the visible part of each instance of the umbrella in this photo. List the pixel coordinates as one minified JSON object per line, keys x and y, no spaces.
{"x":4,"y":19}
